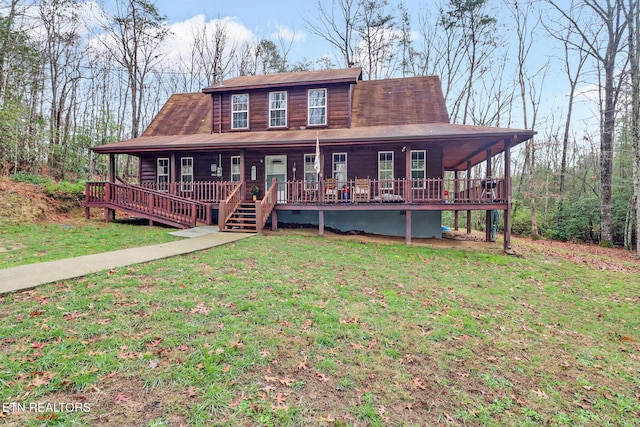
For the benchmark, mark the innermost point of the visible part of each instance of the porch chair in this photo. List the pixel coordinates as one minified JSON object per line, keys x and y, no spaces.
{"x":361,"y":191}
{"x":331,"y":190}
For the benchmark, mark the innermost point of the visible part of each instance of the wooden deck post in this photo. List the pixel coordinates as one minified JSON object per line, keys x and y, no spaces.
{"x":488,"y":213}
{"x":274,"y":220}
{"x":407,"y":231}
{"x":320,"y":223}
{"x":468,"y":196}
{"x":456,"y":190}
{"x":507,"y":189}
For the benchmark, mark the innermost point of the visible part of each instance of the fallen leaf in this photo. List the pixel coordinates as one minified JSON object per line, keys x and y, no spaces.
{"x":155,"y":342}
{"x":110,"y":375}
{"x":542,"y":394}
{"x":121,"y":397}
{"x":183,"y":347}
{"x":321,"y":377}
{"x":419,"y":382}
{"x":303,"y":365}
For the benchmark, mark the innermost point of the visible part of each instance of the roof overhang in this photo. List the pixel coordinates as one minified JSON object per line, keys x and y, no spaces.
{"x":460,"y":143}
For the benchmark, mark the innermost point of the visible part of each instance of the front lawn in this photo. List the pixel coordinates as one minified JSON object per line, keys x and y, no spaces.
{"x":292,"y":330}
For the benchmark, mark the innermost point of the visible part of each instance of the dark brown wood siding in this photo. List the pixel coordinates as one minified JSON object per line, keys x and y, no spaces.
{"x":338,"y":108}
{"x":362,"y":162}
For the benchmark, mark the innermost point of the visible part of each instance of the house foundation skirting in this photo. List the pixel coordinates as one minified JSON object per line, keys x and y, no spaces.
{"x":400,"y":222}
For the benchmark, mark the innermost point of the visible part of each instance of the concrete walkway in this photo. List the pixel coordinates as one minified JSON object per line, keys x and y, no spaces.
{"x":32,"y":275}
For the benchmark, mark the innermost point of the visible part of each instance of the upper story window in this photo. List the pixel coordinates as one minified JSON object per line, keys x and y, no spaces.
{"x":277,"y":109}
{"x":240,"y":111}
{"x":317,"y":107}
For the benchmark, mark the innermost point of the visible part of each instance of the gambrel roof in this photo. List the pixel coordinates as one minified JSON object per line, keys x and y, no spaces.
{"x":382,"y":111}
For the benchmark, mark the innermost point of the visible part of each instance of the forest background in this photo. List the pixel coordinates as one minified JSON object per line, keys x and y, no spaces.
{"x":76,"y":74}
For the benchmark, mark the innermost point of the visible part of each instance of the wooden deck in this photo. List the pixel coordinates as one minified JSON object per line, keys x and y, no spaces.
{"x":373,"y":194}
{"x":185,"y":205}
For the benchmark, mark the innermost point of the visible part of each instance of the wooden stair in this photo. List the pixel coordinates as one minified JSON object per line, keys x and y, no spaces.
{"x":243,"y":219}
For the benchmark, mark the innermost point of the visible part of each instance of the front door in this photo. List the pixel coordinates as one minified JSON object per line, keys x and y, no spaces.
{"x":276,"y":167}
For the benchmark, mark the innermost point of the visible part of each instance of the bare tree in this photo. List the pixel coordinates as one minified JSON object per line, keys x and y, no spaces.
{"x":339,"y":26}
{"x":213,"y":52}
{"x":134,"y":38}
{"x":602,"y":39}
{"x":632,"y":15}
{"x":377,"y":49}
{"x":63,"y":57}
{"x":477,"y":34}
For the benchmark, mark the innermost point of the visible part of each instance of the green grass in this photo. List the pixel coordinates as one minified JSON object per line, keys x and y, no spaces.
{"x":290,"y":330}
{"x":31,"y":243}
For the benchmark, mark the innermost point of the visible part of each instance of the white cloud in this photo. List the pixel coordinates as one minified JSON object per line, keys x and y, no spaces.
{"x":180,"y":41}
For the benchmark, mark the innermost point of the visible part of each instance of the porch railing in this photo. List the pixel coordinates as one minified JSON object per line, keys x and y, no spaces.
{"x":265,"y":206}
{"x":148,"y":202}
{"x":364,"y":190}
{"x":203,"y":191}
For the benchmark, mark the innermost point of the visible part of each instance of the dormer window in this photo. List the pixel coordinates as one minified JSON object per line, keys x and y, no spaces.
{"x":277,"y":109}
{"x":317,"y":107}
{"x":240,"y":111}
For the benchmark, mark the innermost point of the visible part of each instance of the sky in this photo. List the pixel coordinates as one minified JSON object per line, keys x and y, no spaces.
{"x":263,"y":18}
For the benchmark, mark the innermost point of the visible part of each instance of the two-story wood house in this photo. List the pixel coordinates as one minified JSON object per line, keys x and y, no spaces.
{"x":322,"y":148}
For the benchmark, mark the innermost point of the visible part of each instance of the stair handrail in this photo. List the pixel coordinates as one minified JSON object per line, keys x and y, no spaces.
{"x":265,"y":206}
{"x":134,"y":197}
{"x":228,"y":206}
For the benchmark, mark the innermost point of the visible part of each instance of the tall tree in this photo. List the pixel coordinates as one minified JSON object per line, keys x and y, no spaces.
{"x":603,"y":39}
{"x":378,"y":37}
{"x":632,"y":15}
{"x":62,"y":53}
{"x":135,"y":34}
{"x":477,"y":34}
{"x":20,"y":91}
{"x":339,"y":25}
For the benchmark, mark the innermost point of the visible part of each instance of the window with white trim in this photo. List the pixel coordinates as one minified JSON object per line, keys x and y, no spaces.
{"x":418,"y":168}
{"x":240,"y":111}
{"x":235,"y":168}
{"x":277,"y":109}
{"x":340,"y":167}
{"x":186,"y":173}
{"x":310,"y":174}
{"x":385,"y":169}
{"x":317,"y":106}
{"x":162,"y":174}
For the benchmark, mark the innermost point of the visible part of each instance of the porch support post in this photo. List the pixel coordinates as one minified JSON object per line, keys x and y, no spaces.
{"x":407,"y":232}
{"x":112,"y":167}
{"x":242,"y":167}
{"x":408,"y":188}
{"x":468,"y":196}
{"x":507,"y":189}
{"x":320,"y":223}
{"x":456,"y":190}
{"x":274,"y":220}
{"x":110,"y":214}
{"x":173,"y":174}
{"x":488,"y":216}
